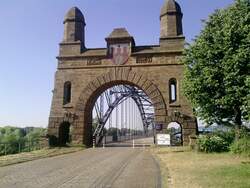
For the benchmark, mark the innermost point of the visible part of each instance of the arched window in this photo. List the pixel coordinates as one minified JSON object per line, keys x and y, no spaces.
{"x":67,"y":93}
{"x":172,"y":90}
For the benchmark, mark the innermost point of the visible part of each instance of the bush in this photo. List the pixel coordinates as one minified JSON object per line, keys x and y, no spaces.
{"x":244,"y":132}
{"x":212,"y":143}
{"x":242,"y":146}
{"x":227,"y":136}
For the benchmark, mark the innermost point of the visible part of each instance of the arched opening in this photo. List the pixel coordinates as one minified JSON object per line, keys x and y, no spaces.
{"x":122,"y":113}
{"x":175,"y":131}
{"x":172,"y":90}
{"x":119,"y":113}
{"x":64,"y":136}
{"x":116,"y":76}
{"x":67,"y":93}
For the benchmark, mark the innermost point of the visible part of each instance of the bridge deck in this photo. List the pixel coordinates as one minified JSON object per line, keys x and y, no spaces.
{"x":138,"y":142}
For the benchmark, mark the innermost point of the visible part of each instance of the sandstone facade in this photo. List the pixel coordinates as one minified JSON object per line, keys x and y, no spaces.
{"x":92,"y":71}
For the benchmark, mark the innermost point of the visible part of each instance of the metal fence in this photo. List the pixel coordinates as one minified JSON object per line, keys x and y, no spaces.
{"x":18,"y":147}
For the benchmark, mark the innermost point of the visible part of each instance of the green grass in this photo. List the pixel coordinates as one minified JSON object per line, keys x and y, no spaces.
{"x":226,"y":176}
{"x":184,"y":168}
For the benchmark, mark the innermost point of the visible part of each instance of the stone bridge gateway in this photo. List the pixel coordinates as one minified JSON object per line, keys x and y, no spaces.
{"x":84,"y":73}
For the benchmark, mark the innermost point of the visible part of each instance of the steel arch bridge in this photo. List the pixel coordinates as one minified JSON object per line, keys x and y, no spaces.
{"x":115,"y":96}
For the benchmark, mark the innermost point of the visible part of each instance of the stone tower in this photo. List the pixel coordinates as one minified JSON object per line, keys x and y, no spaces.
{"x":171,"y":25}
{"x":74,"y":32}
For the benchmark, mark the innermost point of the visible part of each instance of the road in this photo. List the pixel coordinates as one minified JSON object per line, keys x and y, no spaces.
{"x":118,"y":167}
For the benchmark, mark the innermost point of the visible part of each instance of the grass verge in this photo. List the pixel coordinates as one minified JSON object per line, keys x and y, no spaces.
{"x":38,"y":154}
{"x":184,"y":168}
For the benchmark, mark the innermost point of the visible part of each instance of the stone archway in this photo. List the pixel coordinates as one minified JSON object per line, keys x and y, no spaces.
{"x":175,"y":131}
{"x":188,"y":125}
{"x":152,"y":68}
{"x":82,"y":126}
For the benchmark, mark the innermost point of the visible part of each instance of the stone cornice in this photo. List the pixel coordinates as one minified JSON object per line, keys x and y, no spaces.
{"x":118,"y":66}
{"x":134,"y":54}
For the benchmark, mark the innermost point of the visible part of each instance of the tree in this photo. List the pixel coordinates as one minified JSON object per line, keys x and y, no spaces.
{"x":217,"y":67}
{"x":12,"y":139}
{"x":10,"y":136}
{"x":35,"y":134}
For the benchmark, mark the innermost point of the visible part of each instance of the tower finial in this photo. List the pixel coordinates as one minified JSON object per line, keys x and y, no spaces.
{"x":171,"y":19}
{"x":74,"y":24}
{"x":171,"y":25}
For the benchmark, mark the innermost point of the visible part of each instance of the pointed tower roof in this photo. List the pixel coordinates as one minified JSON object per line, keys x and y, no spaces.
{"x":119,"y":33}
{"x":170,"y":6}
{"x":74,"y":15}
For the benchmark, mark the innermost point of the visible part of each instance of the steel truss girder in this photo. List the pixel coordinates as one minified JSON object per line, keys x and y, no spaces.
{"x":121,"y":93}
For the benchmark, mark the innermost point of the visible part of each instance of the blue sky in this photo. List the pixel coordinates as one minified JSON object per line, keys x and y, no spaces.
{"x":30,"y":31}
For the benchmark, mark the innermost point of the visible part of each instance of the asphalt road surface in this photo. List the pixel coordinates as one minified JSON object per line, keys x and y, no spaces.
{"x":117,"y":167}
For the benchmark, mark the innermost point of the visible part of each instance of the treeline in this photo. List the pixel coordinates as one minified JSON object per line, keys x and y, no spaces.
{"x":14,"y":139}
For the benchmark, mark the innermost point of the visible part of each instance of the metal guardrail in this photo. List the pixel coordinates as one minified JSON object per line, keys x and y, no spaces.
{"x":18,"y":147}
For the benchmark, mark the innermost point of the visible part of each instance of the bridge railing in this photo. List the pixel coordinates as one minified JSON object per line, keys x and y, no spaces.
{"x":112,"y":139}
{"x":7,"y":148}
